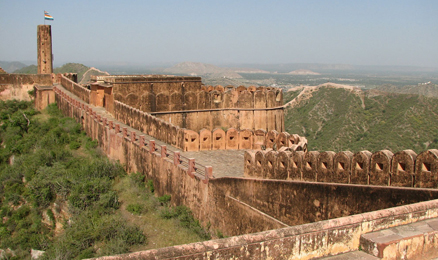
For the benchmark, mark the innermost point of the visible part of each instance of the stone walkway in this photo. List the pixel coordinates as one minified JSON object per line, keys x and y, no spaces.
{"x":226,"y":163}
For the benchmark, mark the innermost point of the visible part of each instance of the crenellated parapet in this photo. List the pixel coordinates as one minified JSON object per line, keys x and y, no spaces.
{"x":205,"y":139}
{"x":382,"y":168}
{"x":78,"y":90}
{"x":187,"y":103}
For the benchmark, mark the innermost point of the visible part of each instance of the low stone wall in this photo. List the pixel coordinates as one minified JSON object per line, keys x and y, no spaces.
{"x":309,"y":241}
{"x":75,"y":88}
{"x":17,"y":86}
{"x":402,"y":169}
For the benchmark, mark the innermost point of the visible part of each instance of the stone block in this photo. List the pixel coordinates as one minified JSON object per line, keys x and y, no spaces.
{"x":403,"y":168}
{"x":310,"y":165}
{"x":342,"y":167}
{"x":219,"y":139}
{"x":283,"y":140}
{"x":191,"y":140}
{"x":259,"y":139}
{"x":249,"y":163}
{"x":296,"y":165}
{"x":360,"y":167}
{"x":380,"y":168}
{"x":232,"y":139}
{"x":260,"y":163}
{"x":271,"y":139}
{"x":246,"y":137}
{"x":325,"y":166}
{"x":282,"y":165}
{"x":426,"y":169}
{"x":270,"y":162}
{"x":205,"y":139}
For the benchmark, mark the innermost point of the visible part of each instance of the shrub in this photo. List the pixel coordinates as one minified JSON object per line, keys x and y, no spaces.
{"x":164,"y":200}
{"x":135,"y":208}
{"x":150,"y":185}
{"x":74,"y":145}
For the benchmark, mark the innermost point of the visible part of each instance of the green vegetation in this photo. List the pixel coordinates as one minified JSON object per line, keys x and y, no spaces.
{"x":338,"y":119}
{"x":78,"y":68}
{"x":60,"y":195}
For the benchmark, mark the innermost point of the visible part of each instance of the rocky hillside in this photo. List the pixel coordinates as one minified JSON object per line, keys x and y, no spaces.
{"x":336,"y":118}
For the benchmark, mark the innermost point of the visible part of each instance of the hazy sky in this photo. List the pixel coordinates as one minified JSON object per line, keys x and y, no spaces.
{"x":349,"y":32}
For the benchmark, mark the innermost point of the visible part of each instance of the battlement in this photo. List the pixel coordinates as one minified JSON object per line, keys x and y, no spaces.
{"x":402,"y":169}
{"x":216,"y":139}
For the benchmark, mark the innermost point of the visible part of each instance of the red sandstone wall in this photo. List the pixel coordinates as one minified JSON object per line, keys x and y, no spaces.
{"x":402,"y":169}
{"x":231,"y":139}
{"x":76,"y":89}
{"x":16,"y":86}
{"x":232,"y":205}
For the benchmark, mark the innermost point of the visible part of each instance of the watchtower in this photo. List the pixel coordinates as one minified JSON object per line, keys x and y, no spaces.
{"x":45,"y":58}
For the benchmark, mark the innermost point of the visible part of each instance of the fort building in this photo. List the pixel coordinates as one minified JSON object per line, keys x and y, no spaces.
{"x":268,"y":193}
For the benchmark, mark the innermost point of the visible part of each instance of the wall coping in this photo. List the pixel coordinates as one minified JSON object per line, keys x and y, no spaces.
{"x":420,"y":209}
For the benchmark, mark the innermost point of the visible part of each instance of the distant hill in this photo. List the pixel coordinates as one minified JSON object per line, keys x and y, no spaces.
{"x":303,"y":72}
{"x":426,"y":89}
{"x":91,"y":71}
{"x":83,"y":71}
{"x":78,"y":68}
{"x":201,"y":69}
{"x":336,"y":119}
{"x":31,"y":69}
{"x":11,"y":66}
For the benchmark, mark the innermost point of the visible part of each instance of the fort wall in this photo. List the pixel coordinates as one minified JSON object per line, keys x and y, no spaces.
{"x":260,"y":204}
{"x":237,"y":206}
{"x":205,"y":139}
{"x":186,"y":103}
{"x":75,"y":88}
{"x":402,"y":169}
{"x":309,"y":241}
{"x":17,"y":86}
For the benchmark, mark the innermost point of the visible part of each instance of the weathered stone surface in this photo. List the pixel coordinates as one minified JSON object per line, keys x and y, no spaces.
{"x":342,"y":167}
{"x":403,"y":168}
{"x":426,"y":169}
{"x":325,"y":166}
{"x":380,"y":167}
{"x":360,"y":167}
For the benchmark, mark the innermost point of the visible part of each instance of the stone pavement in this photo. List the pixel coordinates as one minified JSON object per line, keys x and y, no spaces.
{"x":225,"y":163}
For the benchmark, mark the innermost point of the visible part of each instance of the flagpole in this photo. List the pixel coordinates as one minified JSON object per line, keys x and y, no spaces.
{"x":44,"y":17}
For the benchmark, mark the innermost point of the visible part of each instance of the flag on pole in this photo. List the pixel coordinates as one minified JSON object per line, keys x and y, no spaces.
{"x":47,"y":16}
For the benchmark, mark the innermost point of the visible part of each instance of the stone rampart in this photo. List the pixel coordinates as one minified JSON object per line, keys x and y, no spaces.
{"x":17,"y":86}
{"x":75,"y":88}
{"x":217,"y":139}
{"x":186,"y":103}
{"x":237,"y":206}
{"x":402,"y":169}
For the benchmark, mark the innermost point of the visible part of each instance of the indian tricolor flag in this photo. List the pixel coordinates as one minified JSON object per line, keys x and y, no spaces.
{"x":47,"y":16}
